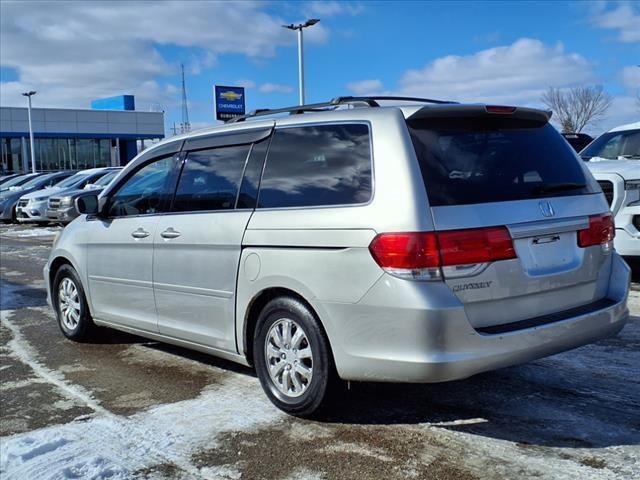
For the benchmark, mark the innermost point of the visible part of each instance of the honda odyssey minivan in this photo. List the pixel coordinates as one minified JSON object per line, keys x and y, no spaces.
{"x":352,"y":240}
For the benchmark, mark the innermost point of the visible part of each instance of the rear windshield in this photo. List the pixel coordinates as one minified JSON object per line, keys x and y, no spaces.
{"x":468,"y":161}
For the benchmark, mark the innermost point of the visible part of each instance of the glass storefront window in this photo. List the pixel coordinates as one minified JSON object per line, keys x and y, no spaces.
{"x":104,"y":158}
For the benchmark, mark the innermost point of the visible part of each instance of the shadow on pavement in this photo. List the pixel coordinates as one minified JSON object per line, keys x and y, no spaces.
{"x":546,"y":403}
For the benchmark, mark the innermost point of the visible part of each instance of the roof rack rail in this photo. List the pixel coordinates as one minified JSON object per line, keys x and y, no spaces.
{"x":370,"y":101}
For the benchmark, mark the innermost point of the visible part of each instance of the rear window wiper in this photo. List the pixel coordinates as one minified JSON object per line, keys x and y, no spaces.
{"x":558,"y":187}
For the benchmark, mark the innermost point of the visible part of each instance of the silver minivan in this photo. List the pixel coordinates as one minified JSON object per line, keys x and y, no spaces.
{"x":422,"y":241}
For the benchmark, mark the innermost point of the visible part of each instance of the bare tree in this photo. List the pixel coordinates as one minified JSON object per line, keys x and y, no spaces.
{"x":577,"y":107}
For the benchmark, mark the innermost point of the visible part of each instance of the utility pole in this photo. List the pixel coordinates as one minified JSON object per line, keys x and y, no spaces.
{"x":299,"y":28}
{"x":33,"y":154}
{"x":185,"y":126}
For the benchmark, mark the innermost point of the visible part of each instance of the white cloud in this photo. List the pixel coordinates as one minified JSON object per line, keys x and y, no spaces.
{"x":275,"y":88}
{"x":72,"y":52}
{"x":365,"y":87}
{"x":333,"y":8}
{"x":623,"y":110}
{"x":623,"y":18}
{"x":630,"y":77}
{"x":246,"y":83}
{"x":517,"y":73}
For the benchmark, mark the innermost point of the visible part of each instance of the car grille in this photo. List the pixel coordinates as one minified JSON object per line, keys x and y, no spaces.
{"x":23,"y":202}
{"x":54,"y":203}
{"x":607,"y":189}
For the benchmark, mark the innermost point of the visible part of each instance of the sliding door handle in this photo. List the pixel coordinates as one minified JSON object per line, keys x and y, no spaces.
{"x":170,"y":233}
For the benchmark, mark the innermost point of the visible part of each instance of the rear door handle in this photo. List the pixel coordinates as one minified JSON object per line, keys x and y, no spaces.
{"x":170,"y":233}
{"x":140,"y":233}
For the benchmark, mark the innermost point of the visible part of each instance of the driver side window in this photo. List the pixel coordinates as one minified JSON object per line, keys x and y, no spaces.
{"x":147,"y":191}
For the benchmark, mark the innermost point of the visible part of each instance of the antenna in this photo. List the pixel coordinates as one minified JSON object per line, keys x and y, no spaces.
{"x":185,"y":126}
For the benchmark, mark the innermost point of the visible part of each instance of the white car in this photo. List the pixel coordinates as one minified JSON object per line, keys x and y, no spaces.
{"x":614,"y":159}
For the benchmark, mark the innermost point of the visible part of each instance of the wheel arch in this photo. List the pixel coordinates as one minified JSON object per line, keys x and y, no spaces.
{"x":255,"y":306}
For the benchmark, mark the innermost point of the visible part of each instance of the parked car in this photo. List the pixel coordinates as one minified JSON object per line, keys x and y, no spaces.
{"x":379,"y":243}
{"x":9,"y":198}
{"x":614,"y":160}
{"x":577,"y":140}
{"x":32,"y":207}
{"x":61,"y":207}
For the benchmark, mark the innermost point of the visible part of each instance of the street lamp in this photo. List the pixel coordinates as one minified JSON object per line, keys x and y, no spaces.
{"x":299,"y":28}
{"x":33,"y":155}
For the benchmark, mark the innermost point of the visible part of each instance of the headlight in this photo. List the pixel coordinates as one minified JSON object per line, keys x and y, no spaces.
{"x":632,"y":185}
{"x":66,"y":202}
{"x":633,"y":192}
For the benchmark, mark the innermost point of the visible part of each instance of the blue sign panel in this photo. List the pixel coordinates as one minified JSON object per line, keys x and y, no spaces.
{"x":229,"y":102}
{"x":121,"y":102}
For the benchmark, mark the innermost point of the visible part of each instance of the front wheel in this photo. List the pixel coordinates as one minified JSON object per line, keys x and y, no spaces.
{"x":292,"y":357}
{"x":71,"y":307}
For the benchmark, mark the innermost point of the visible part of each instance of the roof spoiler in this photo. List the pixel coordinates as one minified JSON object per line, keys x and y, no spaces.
{"x":484,"y":111}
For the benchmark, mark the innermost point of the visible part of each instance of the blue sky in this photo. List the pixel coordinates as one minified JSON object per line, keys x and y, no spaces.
{"x":499,"y":52}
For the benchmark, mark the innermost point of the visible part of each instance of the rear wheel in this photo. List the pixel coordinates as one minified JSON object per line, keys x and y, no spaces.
{"x":71,"y":305}
{"x":292,"y":357}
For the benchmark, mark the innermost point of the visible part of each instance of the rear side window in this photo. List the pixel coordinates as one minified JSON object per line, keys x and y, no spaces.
{"x":317,"y":166}
{"x":468,"y":161}
{"x":210,"y":179}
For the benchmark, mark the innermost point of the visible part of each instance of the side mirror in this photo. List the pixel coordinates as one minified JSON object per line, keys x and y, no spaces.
{"x":87,"y":204}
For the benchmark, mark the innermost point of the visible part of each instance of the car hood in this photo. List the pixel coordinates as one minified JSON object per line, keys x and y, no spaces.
{"x":77,"y":192}
{"x":15,"y":194}
{"x":628,"y":169}
{"x":41,"y":192}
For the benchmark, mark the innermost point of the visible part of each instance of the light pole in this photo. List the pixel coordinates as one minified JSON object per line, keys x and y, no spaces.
{"x":299,"y":28}
{"x":31,"y":145}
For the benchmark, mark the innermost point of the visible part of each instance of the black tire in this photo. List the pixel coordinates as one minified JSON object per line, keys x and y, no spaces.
{"x":315,"y":395}
{"x":85,"y":328}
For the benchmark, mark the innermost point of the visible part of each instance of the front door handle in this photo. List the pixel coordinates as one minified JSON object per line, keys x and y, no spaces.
{"x":170,"y":233}
{"x":140,"y":233}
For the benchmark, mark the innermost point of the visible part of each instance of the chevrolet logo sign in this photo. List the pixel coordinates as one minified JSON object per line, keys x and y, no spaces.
{"x":231,"y":95}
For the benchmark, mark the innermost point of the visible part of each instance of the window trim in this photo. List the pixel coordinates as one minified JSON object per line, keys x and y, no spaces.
{"x":227,"y":139}
{"x":316,"y":124}
{"x":172,"y":173}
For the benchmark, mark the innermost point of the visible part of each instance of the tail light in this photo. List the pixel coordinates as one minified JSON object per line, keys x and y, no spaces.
{"x":419,"y":255}
{"x":500,"y":109}
{"x":601,"y":231}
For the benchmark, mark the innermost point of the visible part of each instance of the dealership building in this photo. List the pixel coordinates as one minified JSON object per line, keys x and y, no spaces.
{"x":111,"y":133}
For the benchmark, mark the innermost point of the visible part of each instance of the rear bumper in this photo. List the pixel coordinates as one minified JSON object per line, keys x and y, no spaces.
{"x":396,"y":333}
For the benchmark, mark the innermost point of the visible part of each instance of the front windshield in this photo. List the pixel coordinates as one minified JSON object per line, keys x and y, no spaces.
{"x":623,"y":145}
{"x":106,"y":179}
{"x":16,"y":181}
{"x":37,"y":180}
{"x":72,"y":180}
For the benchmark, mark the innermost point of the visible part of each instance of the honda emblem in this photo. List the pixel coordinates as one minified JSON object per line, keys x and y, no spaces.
{"x":547,"y":209}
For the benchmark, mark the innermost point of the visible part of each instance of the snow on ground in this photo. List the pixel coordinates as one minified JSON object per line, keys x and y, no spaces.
{"x":32,"y":232}
{"x":108,"y":446}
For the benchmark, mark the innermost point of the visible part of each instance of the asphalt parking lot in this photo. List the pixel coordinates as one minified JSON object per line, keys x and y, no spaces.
{"x":126,"y":407}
